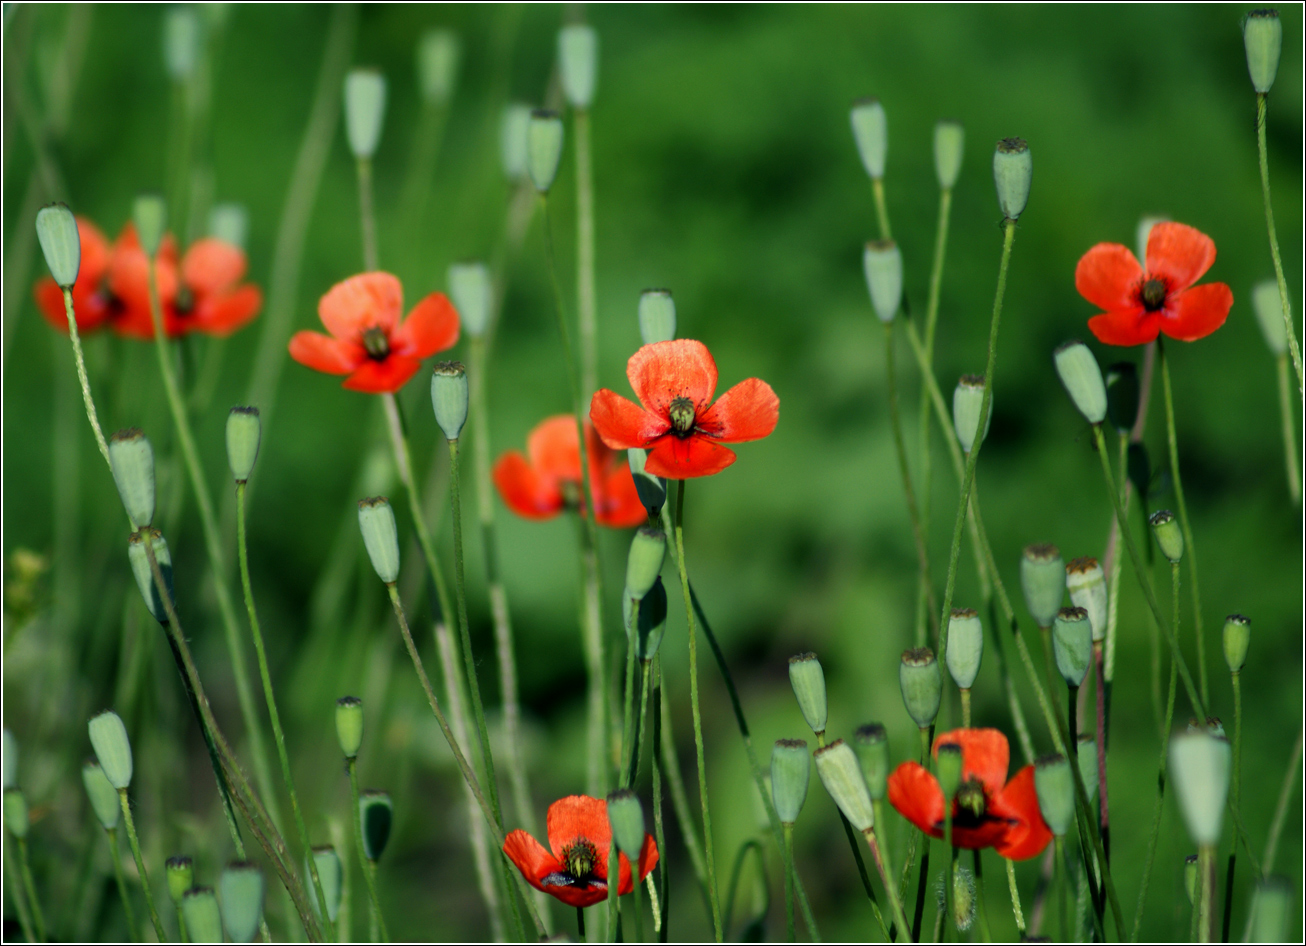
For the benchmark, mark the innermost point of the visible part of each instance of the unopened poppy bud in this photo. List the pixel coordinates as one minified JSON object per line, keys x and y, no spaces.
{"x":56,"y":229}
{"x":364,"y":111}
{"x":1144,"y":232}
{"x":626,"y":817}
{"x":967,"y":400}
{"x":882,"y":263}
{"x":229,"y":223}
{"x":449,"y":395}
{"x":469,"y":287}
{"x":1122,"y":396}
{"x":199,"y":908}
{"x":131,"y":458}
{"x":1199,"y":764}
{"x":578,"y":63}
{"x":648,"y":548}
{"x":180,"y":873}
{"x":349,"y":725}
{"x":1013,"y":167}
{"x":1169,"y":537}
{"x":10,"y":760}
{"x":871,"y":743}
{"x":240,"y":896}
{"x":244,"y":430}
{"x":1266,"y":303}
{"x":1263,"y":40}
{"x":652,"y":619}
{"x":1086,"y":583}
{"x":791,"y":768}
{"x":842,"y":778}
{"x":1271,"y":910}
{"x":949,"y":145}
{"x":140,"y":564}
{"x":437,"y":65}
{"x":1072,"y":644}
{"x":112,"y":748}
{"x":965,"y":646}
{"x":963,"y":898}
{"x":922,"y":687}
{"x":1043,"y":580}
{"x":652,"y":489}
{"x":1088,"y":767}
{"x":330,"y":872}
{"x":871,"y":132}
{"x":1079,"y":372}
{"x":1190,"y":878}
{"x":181,"y":42}
{"x":657,"y":316}
{"x":543,"y":148}
{"x":376,"y":520}
{"x":1237,"y":637}
{"x":377,"y":813}
{"x":1056,"y":792}
{"x":150,"y":215}
{"x":103,"y":796}
{"x":16,"y":819}
{"x":948,"y":767}
{"x":512,"y":140}
{"x":808,"y":680}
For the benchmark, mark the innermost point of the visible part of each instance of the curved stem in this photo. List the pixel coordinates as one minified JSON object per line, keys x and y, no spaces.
{"x":135,"y":843}
{"x":116,"y":856}
{"x":881,"y":209}
{"x":789,"y":882}
{"x":80,"y":360}
{"x":586,"y":293}
{"x":38,"y":917}
{"x":882,"y":865}
{"x":659,"y":831}
{"x":18,"y":891}
{"x":368,"y":866}
{"x":629,"y":750}
{"x":1015,"y":897}
{"x":1289,"y":429}
{"x":1274,"y":239}
{"x":367,"y":215}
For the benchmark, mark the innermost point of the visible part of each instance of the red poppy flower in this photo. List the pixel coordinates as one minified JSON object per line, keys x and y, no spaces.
{"x":368,"y":341}
{"x":985,"y":812}
{"x":678,"y":423}
{"x":549,"y":481}
{"x":91,"y":301}
{"x":1141,"y":302}
{"x":577,"y":870}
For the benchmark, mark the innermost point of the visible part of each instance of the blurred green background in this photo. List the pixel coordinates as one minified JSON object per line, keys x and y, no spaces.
{"x":725,"y":170}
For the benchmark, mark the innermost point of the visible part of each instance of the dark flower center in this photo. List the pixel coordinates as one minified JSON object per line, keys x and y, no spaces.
{"x":570,"y":490}
{"x":579,"y":858}
{"x":1153,"y":294}
{"x":682,"y":416}
{"x":971,"y":803}
{"x":185,"y":301}
{"x":376,"y":343}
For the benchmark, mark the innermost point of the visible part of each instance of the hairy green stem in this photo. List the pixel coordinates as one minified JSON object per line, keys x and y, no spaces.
{"x":135,"y":843}
{"x":116,"y":856}
{"x":1274,"y":240}
{"x":1206,"y":908}
{"x":789,"y":882}
{"x":1289,"y":429}
{"x":368,"y":866}
{"x":367,"y":215}
{"x":680,"y":805}
{"x":981,"y":907}
{"x":80,"y":361}
{"x":629,"y":750}
{"x":1281,"y":808}
{"x":586,"y":293}
{"x":881,"y":209}
{"x":659,"y":831}
{"x":1016,"y":910}
{"x":885,"y":869}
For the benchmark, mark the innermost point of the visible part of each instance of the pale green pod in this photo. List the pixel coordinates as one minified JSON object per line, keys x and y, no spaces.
{"x":652,"y":489}
{"x":1072,"y":644}
{"x":808,"y":680}
{"x":103,"y":796}
{"x":1190,"y":878}
{"x":626,"y":818}
{"x":543,"y":148}
{"x":648,"y":548}
{"x":331,"y":873}
{"x":871,"y":743}
{"x":1268,"y":306}
{"x":131,"y":459}
{"x":1088,"y":771}
{"x":140,"y":565}
{"x":965,"y":646}
{"x":921,"y":685}
{"x":376,"y":520}
{"x":1013,"y":169}
{"x":181,"y":42}
{"x":17,"y":821}
{"x":377,"y":812}
{"x":1054,"y":783}
{"x":1200,"y":765}
{"x":1086,"y":583}
{"x":967,"y":400}
{"x":1263,"y":40}
{"x":438,"y":53}
{"x":1082,"y":377}
{"x":349,"y":725}
{"x":871,"y":132}
{"x":365,"y":94}
{"x":241,"y":890}
{"x":947,"y":765}
{"x":657,"y":316}
{"x":472,"y":294}
{"x":1043,"y":581}
{"x":1272,"y":910}
{"x":842,"y":778}
{"x":512,"y":140}
{"x":112,"y":748}
{"x":56,"y":230}
{"x":244,"y":432}
{"x":791,"y":768}
{"x":578,"y":63}
{"x":199,"y":907}
{"x":229,"y":223}
{"x":449,"y":397}
{"x":1237,"y":638}
{"x":949,"y":146}
{"x":180,"y":873}
{"x":652,"y":619}
{"x":1169,"y":537}
{"x":150,"y":215}
{"x":882,"y":264}
{"x":10,"y":760}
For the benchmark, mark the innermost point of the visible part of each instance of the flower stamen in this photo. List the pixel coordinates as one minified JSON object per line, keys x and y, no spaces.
{"x":579,"y":858}
{"x":682,"y":416}
{"x":1153,"y":294}
{"x":375,"y":343}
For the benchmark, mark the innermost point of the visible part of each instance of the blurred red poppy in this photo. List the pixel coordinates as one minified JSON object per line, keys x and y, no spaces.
{"x":91,"y":300}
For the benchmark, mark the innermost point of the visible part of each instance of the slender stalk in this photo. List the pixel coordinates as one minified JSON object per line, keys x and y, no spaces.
{"x":1274,"y":240}
{"x":965,"y":707}
{"x":18,"y":893}
{"x":1015,"y":897}
{"x":1099,"y":705}
{"x":135,"y":843}
{"x":1206,"y":908}
{"x":789,"y":881}
{"x":580,"y":924}
{"x":922,"y":881}
{"x":680,"y":804}
{"x":1235,"y":795}
{"x":614,"y":894}
{"x":881,"y":209}
{"x":368,"y":865}
{"x":366,"y":214}
{"x":626,"y":773}
{"x":880,"y":856}
{"x":121,"y":881}
{"x":635,"y":908}
{"x":981,"y":907}
{"x":1281,"y":807}
{"x":586,"y":293}
{"x":949,"y":863}
{"x":659,"y":831}
{"x":1289,"y":429}
{"x":1062,"y":883}
{"x":38,"y":917}
{"x":80,"y":361}
{"x":422,"y":162}
{"x":641,"y":726}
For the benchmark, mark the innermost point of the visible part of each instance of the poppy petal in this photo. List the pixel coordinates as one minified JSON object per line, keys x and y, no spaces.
{"x":985,"y":755}
{"x":748,"y":411}
{"x":580,"y":816}
{"x":1128,"y":327}
{"x":95,"y":255}
{"x":49,"y":299}
{"x":531,"y":858}
{"x":916,"y":794}
{"x":618,"y":503}
{"x":326,"y":354}
{"x":987,"y":833}
{"x":222,"y":314}
{"x":1196,"y":312}
{"x":554,"y":448}
{"x":524,"y":490}
{"x":623,"y":424}
{"x":361,"y":302}
{"x":648,"y":859}
{"x":1179,"y":254}
{"x":682,"y":459}
{"x":129,"y":279}
{"x":431,"y":326}
{"x":1028,"y":834}
{"x":383,"y":377}
{"x":135,"y":322}
{"x":1108,"y":276}
{"x":212,"y":265}
{"x":663,"y":371}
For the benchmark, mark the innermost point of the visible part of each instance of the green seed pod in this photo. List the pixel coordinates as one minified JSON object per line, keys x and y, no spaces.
{"x":331,"y":873}
{"x":648,"y":548}
{"x":1144,"y":232}
{"x":377,"y":812}
{"x":16,"y":820}
{"x":1056,"y":792}
{"x":103,"y":796}
{"x":543,"y":148}
{"x":180,"y":872}
{"x":965,"y":646}
{"x":871,"y":743}
{"x":1266,"y":303}
{"x":56,"y":229}
{"x":1169,"y":537}
{"x":229,"y":223}
{"x":112,"y":748}
{"x":1086,"y":583}
{"x":1082,"y":377}
{"x":1237,"y":637}
{"x":949,"y":145}
{"x":437,"y":65}
{"x":922,"y":687}
{"x":808,"y":680}
{"x":1190,"y":878}
{"x":1263,"y":40}
{"x":150,"y":214}
{"x":791,"y":770}
{"x":1271,"y":910}
{"x":948,"y":767}
{"x":181,"y":42}
{"x":652,"y":489}
{"x":364,"y":111}
{"x":376,"y":520}
{"x":140,"y":563}
{"x":652,"y":619}
{"x":967,"y":400}
{"x":842,"y":778}
{"x":513,"y":132}
{"x":244,"y":430}
{"x":131,"y":458}
{"x":1043,"y":580}
{"x":882,"y":263}
{"x":449,"y":396}
{"x":199,"y":907}
{"x":241,"y":889}
{"x":469,"y":287}
{"x":1072,"y":644}
{"x":626,"y":817}
{"x":1122,"y":395}
{"x":963,"y":898}
{"x":1088,"y":767}
{"x":1199,"y":764}
{"x":10,"y":760}
{"x":657,"y":316}
{"x":349,"y":725}
{"x":1013,"y":167}
{"x":578,"y":63}
{"x":871,"y":132}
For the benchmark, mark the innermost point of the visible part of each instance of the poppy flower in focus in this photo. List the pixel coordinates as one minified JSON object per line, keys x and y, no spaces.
{"x":91,"y":301}
{"x":986,"y":812}
{"x":547,"y":479}
{"x":576,"y":872}
{"x":1141,"y":302}
{"x":675,"y":419}
{"x":368,"y":341}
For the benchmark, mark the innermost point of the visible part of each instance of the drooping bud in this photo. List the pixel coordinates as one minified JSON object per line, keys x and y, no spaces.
{"x":1088,"y":767}
{"x":17,"y":822}
{"x":1266,"y":303}
{"x":112,"y":748}
{"x":199,"y":907}
{"x":376,"y":520}
{"x":578,"y":63}
{"x":512,"y":140}
{"x":1200,"y":764}
{"x":1072,"y":644}
{"x":244,"y":431}
{"x":349,"y":725}
{"x":131,"y":458}
{"x":56,"y":230}
{"x":140,"y":565}
{"x":1263,"y":40}
{"x":657,"y":316}
{"x":10,"y":760}
{"x":922,"y":687}
{"x":1237,"y":637}
{"x":1169,"y":537}
{"x":964,"y":901}
{"x":229,"y":223}
{"x":180,"y":873}
{"x":652,"y":619}
{"x":842,"y":778}
{"x":871,"y":132}
{"x":948,"y":767}
{"x":377,"y":813}
{"x":103,"y":796}
{"x":331,"y":873}
{"x":882,"y":263}
{"x":437,"y":65}
{"x":791,"y":768}
{"x":949,"y":145}
{"x":241,"y":889}
{"x":1013,"y":167}
{"x":449,"y":396}
{"x":181,"y":42}
{"x":626,"y":816}
{"x":871,"y":743}
{"x":472,"y":294}
{"x":150,"y":215}
{"x":1043,"y":580}
{"x":1144,"y":232}
{"x":1086,"y":583}
{"x":1053,"y":781}
{"x":543,"y":148}
{"x":965,"y":646}
{"x":1190,"y":878}
{"x":1082,"y":377}
{"x":808,"y":680}
{"x":1122,"y":395}
{"x":364,"y":111}
{"x":648,"y":548}
{"x":1271,"y":910}
{"x":967,"y":400}
{"x":652,"y":489}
